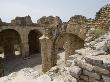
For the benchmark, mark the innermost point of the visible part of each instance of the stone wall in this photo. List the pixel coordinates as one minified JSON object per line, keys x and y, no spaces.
{"x":102,"y":19}
{"x":77,"y":25}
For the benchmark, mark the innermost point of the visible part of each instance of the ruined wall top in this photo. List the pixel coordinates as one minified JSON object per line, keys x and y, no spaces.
{"x":102,"y":18}
{"x":77,"y":19}
{"x":77,"y":25}
{"x":104,"y":12}
{"x":49,"y":22}
{"x":22,"y":21}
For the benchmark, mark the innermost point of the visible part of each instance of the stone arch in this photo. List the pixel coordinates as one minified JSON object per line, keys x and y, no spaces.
{"x":33,"y":41}
{"x":9,"y":40}
{"x":69,"y":43}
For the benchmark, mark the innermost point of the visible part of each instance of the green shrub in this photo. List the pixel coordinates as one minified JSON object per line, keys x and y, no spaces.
{"x":97,"y":32}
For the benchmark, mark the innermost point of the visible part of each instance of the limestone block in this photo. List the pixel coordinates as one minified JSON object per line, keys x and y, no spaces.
{"x":93,"y":80}
{"x":91,"y":74}
{"x":106,"y":63}
{"x":94,"y":60}
{"x":101,"y":70}
{"x":81,"y":81}
{"x":75,"y":71}
{"x":84,"y":77}
{"x":69,"y":63}
{"x":106,"y":78}
{"x":84,"y":65}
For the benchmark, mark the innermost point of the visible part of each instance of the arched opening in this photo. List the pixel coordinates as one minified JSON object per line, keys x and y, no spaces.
{"x":66,"y":44}
{"x":9,"y":43}
{"x":33,"y":41}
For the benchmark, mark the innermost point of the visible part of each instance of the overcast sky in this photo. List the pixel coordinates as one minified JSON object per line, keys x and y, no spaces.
{"x":9,"y":9}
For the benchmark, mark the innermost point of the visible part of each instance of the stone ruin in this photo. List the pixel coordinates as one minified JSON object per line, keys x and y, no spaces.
{"x":22,"y":21}
{"x":55,"y":35}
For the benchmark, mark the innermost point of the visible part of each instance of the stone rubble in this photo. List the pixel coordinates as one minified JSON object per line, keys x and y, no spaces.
{"x":95,"y":61}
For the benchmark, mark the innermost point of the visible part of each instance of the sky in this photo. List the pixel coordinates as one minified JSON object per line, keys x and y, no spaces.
{"x":65,"y":9}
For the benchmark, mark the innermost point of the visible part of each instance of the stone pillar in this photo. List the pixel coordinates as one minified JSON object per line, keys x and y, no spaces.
{"x":47,"y":53}
{"x":1,"y":68}
{"x":24,"y":49}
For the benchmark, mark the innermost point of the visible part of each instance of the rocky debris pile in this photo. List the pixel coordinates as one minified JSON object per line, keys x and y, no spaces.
{"x":94,"y":68}
{"x":24,"y":75}
{"x":102,"y":44}
{"x":93,"y":61}
{"x":22,"y":21}
{"x":57,"y":74}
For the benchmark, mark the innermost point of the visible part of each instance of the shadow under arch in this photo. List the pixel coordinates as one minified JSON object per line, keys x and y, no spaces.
{"x":10,"y":41}
{"x":33,"y":41}
{"x":67,"y":42}
{"x":16,"y":63}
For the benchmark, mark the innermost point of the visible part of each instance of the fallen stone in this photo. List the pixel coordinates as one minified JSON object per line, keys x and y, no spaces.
{"x":84,"y":77}
{"x":84,"y":65}
{"x":94,"y":60}
{"x":44,"y":78}
{"x":75,"y":71}
{"x":91,"y":74}
{"x":101,"y":70}
{"x":106,"y":78}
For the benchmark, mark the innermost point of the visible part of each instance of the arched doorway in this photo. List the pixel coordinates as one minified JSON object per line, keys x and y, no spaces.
{"x":10,"y":42}
{"x":66,"y":44}
{"x":33,"y":41}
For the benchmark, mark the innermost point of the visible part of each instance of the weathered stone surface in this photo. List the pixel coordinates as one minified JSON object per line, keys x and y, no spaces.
{"x":22,"y":21}
{"x":93,"y":80}
{"x":44,"y":78}
{"x":94,"y":60}
{"x":76,"y":24}
{"x":81,"y":80}
{"x":75,"y":71}
{"x":101,"y":70}
{"x":84,"y":65}
{"x":84,"y":77}
{"x":49,"y":22}
{"x":102,"y":17}
{"x":106,"y":62}
{"x":106,"y":79}
{"x":91,"y":74}
{"x":47,"y":52}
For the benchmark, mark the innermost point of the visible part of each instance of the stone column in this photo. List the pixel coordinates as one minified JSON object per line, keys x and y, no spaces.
{"x":24,"y":49}
{"x":1,"y":68}
{"x":47,"y":53}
